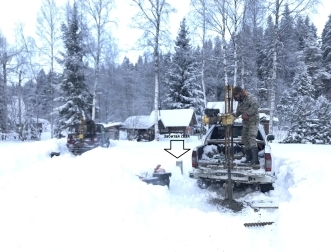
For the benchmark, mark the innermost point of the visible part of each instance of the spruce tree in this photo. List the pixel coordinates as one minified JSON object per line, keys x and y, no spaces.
{"x":214,"y":74}
{"x":326,"y":43}
{"x":301,"y":30}
{"x":322,"y":133}
{"x":313,"y":124}
{"x":42,"y":92}
{"x":129,"y":99}
{"x":313,"y":58}
{"x":75,"y":96}
{"x":288,"y":47}
{"x":184,"y":90}
{"x":301,"y":110}
{"x":326,"y":52}
{"x":29,"y":107}
{"x":165,"y":64}
{"x":309,"y":118}
{"x":302,"y":83}
{"x":264,"y":64}
{"x":285,"y":109}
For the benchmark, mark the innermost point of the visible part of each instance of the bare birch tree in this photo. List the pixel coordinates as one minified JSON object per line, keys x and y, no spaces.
{"x":7,"y":53}
{"x":217,"y":21}
{"x":5,"y":58}
{"x":49,"y":34}
{"x":253,"y":17}
{"x":234,"y":11}
{"x":32,"y":64}
{"x":200,"y":9}
{"x":99,"y":22}
{"x":152,"y":19}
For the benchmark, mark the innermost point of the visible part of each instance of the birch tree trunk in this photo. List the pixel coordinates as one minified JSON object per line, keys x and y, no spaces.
{"x":48,"y":31}
{"x":6,"y":56}
{"x":203,"y":56}
{"x":4,"y":62}
{"x":156,"y":69}
{"x":242,"y":51}
{"x":274,"y":67}
{"x":234,"y":39}
{"x":152,"y":16}
{"x":200,"y":8}
{"x":20,"y":105}
{"x":156,"y":96}
{"x":98,"y":19}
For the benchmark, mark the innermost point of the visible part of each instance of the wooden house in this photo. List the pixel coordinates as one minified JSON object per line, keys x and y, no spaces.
{"x":113,"y":130}
{"x":139,"y":127}
{"x":181,"y":121}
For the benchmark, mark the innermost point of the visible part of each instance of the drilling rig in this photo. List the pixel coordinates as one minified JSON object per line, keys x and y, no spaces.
{"x":226,"y":168}
{"x":227,"y":118}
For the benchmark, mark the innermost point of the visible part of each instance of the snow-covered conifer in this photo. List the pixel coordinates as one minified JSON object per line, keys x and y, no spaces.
{"x":75,"y":96}
{"x":298,"y":107}
{"x":184,"y":90}
{"x":326,"y":52}
{"x":312,"y":55}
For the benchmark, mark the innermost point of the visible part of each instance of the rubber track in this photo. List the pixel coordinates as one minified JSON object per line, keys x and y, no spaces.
{"x":258,"y":224}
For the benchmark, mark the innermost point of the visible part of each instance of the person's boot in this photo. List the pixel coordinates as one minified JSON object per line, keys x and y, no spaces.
{"x":248,"y":155}
{"x":255,"y":158}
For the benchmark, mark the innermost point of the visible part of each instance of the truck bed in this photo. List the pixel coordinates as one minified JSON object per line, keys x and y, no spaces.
{"x":212,"y":165}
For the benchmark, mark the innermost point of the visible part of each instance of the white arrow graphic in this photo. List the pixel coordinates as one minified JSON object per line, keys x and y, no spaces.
{"x":177,"y":148}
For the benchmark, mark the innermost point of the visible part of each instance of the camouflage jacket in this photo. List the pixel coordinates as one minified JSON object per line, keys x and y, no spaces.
{"x":249,"y":105}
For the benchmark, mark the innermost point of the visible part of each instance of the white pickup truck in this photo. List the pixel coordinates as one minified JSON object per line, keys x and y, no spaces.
{"x":209,"y":163}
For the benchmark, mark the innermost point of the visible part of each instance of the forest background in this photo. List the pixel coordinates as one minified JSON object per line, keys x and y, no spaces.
{"x":71,"y":67}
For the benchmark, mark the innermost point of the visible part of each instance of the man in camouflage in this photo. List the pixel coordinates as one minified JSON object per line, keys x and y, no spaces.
{"x":248,"y":107}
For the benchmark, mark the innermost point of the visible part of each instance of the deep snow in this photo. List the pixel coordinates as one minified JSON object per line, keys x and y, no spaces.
{"x":96,"y":202}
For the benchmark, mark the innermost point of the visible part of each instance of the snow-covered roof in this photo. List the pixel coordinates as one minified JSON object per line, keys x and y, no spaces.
{"x":175,"y":117}
{"x":138,"y":122}
{"x":169,"y":118}
{"x":113,"y":124}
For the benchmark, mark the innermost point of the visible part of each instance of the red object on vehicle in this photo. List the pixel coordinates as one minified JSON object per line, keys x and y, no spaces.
{"x":268,"y":162}
{"x":70,"y":140}
{"x":158,"y":169}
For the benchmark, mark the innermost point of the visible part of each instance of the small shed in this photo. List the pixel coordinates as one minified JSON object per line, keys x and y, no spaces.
{"x":180,"y":121}
{"x":113,"y":130}
{"x":139,"y":127}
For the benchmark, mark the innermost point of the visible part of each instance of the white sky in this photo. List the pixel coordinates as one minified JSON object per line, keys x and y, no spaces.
{"x":13,"y":11}
{"x":95,"y":202}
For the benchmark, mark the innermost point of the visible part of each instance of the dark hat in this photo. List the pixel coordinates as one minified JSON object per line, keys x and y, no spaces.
{"x":237,"y":90}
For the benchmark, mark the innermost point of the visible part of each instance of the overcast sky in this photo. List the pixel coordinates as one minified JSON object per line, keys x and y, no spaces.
{"x":13,"y":11}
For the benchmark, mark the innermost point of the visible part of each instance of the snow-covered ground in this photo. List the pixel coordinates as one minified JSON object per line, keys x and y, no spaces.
{"x":96,"y":202}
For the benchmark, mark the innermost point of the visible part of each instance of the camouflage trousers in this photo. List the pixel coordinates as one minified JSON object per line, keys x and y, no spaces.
{"x":249,"y":133}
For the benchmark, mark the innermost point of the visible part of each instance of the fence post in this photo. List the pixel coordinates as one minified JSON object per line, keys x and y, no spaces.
{"x":180,"y":164}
